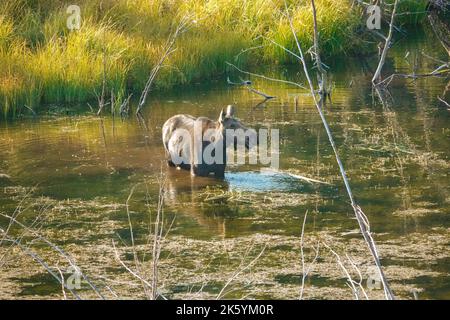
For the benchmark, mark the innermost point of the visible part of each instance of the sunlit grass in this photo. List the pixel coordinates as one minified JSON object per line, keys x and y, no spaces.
{"x":43,"y":62}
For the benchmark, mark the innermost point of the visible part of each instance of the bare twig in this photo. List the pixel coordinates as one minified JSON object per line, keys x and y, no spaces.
{"x":158,"y":230}
{"x":362,"y":220}
{"x":132,"y":272}
{"x":238,"y":272}
{"x":133,"y":248}
{"x":101,"y":100}
{"x":56,"y":248}
{"x":350,"y":281}
{"x":359,"y":283}
{"x":296,"y":176}
{"x":248,"y":85}
{"x":306,"y":271}
{"x":150,"y":287}
{"x":322,"y":76}
{"x":32,"y":111}
{"x":39,"y":260}
{"x":125,"y":107}
{"x":377,"y":75}
{"x":264,"y":77}
{"x":444,"y":102}
{"x":168,"y":50}
{"x":62,"y":283}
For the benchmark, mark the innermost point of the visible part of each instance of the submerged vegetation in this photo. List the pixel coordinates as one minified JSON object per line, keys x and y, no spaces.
{"x":42,"y":61}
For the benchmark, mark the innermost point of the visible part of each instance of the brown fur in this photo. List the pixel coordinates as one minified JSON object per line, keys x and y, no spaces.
{"x":174,"y":144}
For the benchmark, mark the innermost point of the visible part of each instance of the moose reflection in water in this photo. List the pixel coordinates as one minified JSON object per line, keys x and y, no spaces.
{"x":199,"y":144}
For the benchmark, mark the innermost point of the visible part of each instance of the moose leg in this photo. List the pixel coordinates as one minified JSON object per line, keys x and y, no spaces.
{"x":219,"y":171}
{"x":170,"y":163}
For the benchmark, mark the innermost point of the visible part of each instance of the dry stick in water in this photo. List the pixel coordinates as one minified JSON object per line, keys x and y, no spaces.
{"x":101,"y":102}
{"x":353,"y":264}
{"x":156,"y":250}
{"x":377,"y":74}
{"x":264,"y":77}
{"x":133,"y":247}
{"x":442,"y":70}
{"x":168,"y":50}
{"x":238,"y":272}
{"x":39,"y":260}
{"x":360,"y":216}
{"x":351,"y":282}
{"x":131,"y":271}
{"x":305,"y":271}
{"x":249,"y":87}
{"x":444,"y":102}
{"x":37,"y":221}
{"x":124,"y":107}
{"x":293,"y":175}
{"x":159,"y":225}
{"x":58,"y":249}
{"x":62,"y":283}
{"x":323,"y":90}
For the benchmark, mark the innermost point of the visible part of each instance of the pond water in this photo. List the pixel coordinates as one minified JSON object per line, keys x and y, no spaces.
{"x":71,"y":174}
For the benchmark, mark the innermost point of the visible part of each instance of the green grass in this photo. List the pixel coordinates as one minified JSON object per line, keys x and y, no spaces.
{"x":42,"y":62}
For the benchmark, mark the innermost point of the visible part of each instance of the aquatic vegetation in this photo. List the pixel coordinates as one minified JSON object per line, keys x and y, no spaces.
{"x":195,"y":269}
{"x":257,"y":201}
{"x":42,"y":61}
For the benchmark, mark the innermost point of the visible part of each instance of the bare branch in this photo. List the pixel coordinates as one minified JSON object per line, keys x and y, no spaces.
{"x":264,"y":77}
{"x":362,"y":220}
{"x":387,"y":44}
{"x":247,"y":84}
{"x":238,"y":272}
{"x":168,"y":50}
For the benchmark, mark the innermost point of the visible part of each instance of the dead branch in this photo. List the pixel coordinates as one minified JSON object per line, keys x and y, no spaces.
{"x":236,"y":58}
{"x":132,"y":272}
{"x":322,"y":73}
{"x":359,"y":283}
{"x":350,"y":280}
{"x":444,"y":102}
{"x":157,"y":233}
{"x":248,"y":84}
{"x":440,"y":71}
{"x":101,"y":100}
{"x":56,"y":248}
{"x":125,"y":107}
{"x":32,"y":111}
{"x":439,"y":25}
{"x":296,"y":176}
{"x":377,"y":75}
{"x":62,"y":283}
{"x":150,"y":287}
{"x":264,"y":77}
{"x":360,"y":216}
{"x":39,"y":260}
{"x":238,"y":272}
{"x":133,"y":248}
{"x":306,"y":271}
{"x":168,"y":50}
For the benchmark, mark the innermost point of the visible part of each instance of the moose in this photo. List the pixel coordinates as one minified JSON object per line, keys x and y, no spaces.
{"x":199,"y":144}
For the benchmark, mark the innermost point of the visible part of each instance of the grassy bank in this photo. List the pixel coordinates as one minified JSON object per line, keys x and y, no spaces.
{"x":42,"y":61}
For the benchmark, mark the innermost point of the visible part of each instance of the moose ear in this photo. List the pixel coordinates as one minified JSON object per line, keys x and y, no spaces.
{"x":222,"y":116}
{"x":230,"y":111}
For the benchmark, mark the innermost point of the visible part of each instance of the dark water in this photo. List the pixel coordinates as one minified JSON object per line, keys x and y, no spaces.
{"x":396,"y":156}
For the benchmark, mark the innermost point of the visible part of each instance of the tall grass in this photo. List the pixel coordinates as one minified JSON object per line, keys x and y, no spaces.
{"x":41,"y":61}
